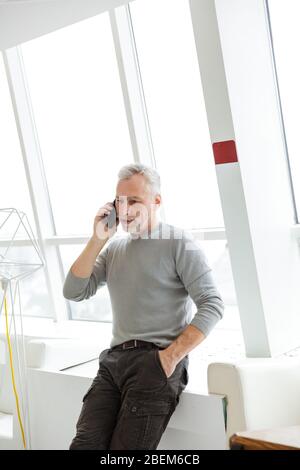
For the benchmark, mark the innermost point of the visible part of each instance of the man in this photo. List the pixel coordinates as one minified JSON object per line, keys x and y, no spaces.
{"x":154,"y":273}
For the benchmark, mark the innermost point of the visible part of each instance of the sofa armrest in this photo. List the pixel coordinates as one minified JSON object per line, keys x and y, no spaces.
{"x":261,"y":392}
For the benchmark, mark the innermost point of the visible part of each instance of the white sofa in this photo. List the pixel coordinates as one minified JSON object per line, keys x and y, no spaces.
{"x":260,"y":393}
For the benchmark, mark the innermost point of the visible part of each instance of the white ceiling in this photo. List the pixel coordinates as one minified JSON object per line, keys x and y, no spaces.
{"x":23,"y":20}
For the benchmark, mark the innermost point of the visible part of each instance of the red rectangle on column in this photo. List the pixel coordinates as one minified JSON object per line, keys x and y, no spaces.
{"x":225,"y":152}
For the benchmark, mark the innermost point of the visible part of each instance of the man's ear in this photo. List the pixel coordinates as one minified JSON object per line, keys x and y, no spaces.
{"x":157,"y":199}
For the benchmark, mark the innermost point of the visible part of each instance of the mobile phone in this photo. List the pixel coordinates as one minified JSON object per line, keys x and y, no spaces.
{"x":112,"y":218}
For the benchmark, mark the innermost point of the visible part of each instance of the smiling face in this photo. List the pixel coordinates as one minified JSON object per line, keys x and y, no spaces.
{"x":136,"y":204}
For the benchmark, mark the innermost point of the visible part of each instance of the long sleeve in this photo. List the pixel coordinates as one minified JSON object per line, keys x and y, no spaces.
{"x":195,"y":273}
{"x":80,"y":288}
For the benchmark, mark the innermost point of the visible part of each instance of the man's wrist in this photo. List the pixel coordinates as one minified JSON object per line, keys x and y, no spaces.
{"x":96,"y":241}
{"x":173,"y":354}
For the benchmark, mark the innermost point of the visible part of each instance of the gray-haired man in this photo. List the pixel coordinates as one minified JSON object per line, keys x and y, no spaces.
{"x":153,"y":273}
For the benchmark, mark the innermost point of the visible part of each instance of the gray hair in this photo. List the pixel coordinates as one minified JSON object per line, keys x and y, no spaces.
{"x":151,"y":175}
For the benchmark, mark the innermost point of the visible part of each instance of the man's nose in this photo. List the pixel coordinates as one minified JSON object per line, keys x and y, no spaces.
{"x":122,"y":210}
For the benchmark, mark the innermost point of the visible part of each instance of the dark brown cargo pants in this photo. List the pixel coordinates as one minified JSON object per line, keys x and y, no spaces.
{"x":130,"y":401}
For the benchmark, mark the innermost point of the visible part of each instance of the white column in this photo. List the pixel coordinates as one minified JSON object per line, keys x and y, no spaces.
{"x":237,"y":71}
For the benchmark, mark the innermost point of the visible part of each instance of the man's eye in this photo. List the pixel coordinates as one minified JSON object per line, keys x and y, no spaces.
{"x":128,"y":201}
{"x":132,"y":201}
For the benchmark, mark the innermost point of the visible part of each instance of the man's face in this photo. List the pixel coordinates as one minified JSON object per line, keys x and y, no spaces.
{"x":136,"y":205}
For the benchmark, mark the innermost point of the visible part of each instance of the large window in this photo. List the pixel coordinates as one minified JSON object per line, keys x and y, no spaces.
{"x":81,"y":122}
{"x":74,"y":87}
{"x":80,"y":118}
{"x":173,"y":93}
{"x":285,"y":16}
{"x":14,"y":194}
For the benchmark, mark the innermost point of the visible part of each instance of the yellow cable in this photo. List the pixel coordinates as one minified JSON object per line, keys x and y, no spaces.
{"x":13,"y":374}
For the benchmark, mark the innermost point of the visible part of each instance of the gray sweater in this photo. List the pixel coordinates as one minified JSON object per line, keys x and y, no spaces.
{"x":153,"y":281}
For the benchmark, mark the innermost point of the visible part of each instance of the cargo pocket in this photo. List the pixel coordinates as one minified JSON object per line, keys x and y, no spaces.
{"x":143,"y":422}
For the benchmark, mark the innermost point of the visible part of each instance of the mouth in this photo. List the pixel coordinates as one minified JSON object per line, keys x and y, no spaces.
{"x":127,"y":221}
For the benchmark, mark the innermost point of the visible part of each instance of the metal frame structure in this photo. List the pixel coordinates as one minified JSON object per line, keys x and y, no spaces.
{"x":12,"y":272}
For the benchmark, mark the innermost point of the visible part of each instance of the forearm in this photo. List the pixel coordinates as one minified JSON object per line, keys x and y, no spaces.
{"x":83,"y":266}
{"x":184,"y":343}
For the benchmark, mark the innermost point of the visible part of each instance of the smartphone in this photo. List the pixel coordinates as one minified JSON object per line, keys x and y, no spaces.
{"x":112,"y":218}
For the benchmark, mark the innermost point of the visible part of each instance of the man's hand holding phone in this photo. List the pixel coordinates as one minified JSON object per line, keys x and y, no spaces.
{"x":105,"y":225}
{"x":105,"y":222}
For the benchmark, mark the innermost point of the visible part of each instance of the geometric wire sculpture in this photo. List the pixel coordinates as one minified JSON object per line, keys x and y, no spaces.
{"x":15,"y":265}
{"x":13,"y":226}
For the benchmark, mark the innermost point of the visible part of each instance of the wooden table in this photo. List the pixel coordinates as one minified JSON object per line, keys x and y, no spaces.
{"x":283,"y":438}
